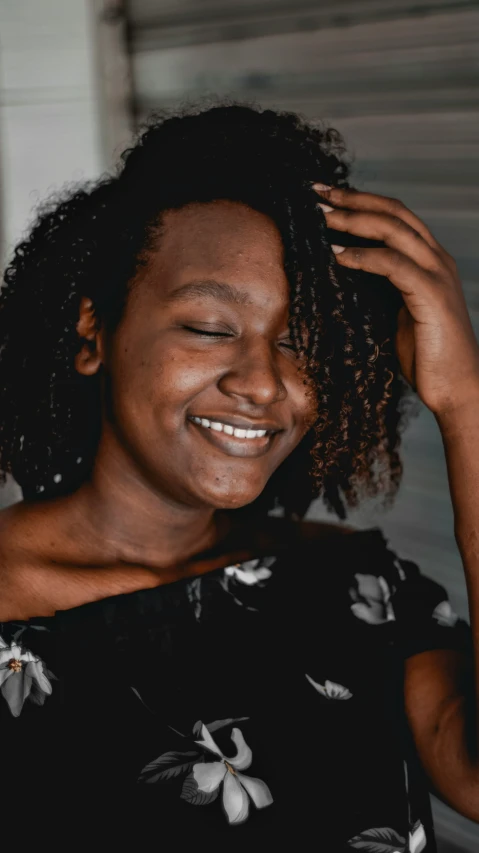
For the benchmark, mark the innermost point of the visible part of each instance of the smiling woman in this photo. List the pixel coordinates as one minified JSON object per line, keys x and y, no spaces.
{"x":238,"y":199}
{"x":183,"y":350}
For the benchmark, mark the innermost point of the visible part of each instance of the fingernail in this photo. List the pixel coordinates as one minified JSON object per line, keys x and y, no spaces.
{"x":321,"y":187}
{"x":325,"y":207}
{"x":337,"y":249}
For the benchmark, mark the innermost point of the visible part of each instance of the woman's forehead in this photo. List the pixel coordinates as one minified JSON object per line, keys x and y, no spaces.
{"x":216,"y":237}
{"x":206,"y":225}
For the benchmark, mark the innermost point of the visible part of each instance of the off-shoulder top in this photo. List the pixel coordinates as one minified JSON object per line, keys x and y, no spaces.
{"x":257,"y":704}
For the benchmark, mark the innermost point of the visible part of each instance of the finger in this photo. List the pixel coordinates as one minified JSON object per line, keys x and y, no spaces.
{"x":403,"y":272}
{"x":379,"y":204}
{"x":390,"y":229}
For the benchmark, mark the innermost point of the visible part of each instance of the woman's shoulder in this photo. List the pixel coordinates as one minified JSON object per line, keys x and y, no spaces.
{"x":17,"y":535}
{"x":29,"y":578}
{"x":36,"y":580}
{"x":20,"y":555}
{"x":25,"y":528}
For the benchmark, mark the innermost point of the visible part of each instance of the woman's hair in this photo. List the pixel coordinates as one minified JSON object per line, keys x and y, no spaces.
{"x":91,"y":243}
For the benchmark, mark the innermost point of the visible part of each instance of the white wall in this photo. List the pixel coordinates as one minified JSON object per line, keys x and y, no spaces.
{"x":49,"y":111}
{"x":49,"y":105}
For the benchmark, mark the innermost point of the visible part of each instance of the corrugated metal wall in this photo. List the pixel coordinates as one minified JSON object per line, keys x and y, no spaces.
{"x":401,"y":81}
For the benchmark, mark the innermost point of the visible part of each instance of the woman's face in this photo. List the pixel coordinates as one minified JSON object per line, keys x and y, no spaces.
{"x":217,"y":269}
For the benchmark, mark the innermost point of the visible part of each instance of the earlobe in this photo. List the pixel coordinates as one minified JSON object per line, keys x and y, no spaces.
{"x":88,"y":362}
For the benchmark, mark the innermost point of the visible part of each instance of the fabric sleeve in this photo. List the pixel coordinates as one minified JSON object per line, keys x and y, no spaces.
{"x":425,"y":619}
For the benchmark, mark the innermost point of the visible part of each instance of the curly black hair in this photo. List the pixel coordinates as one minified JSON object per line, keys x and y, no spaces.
{"x":91,"y":241}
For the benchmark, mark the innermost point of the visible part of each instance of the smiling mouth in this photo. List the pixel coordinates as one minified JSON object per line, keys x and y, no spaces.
{"x":235,"y":441}
{"x":228,"y":429}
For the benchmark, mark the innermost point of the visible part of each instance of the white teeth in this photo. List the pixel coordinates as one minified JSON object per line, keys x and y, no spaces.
{"x":229,"y":430}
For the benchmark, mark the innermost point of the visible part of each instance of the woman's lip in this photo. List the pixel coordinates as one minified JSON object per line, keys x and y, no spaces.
{"x":245,"y":447}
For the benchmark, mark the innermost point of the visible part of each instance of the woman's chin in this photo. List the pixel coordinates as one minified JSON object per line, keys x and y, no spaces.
{"x":232,"y":500}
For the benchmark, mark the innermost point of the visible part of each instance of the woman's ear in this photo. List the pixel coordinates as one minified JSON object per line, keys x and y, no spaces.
{"x":90,"y":358}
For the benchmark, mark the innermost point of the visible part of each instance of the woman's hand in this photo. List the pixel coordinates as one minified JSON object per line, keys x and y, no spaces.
{"x":435,"y":341}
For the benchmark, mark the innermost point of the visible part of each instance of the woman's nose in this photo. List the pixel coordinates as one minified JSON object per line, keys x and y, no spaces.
{"x":255,"y":375}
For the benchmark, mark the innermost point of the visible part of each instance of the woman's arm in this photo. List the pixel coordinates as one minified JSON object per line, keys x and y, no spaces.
{"x":442,"y":696}
{"x":439,"y":356}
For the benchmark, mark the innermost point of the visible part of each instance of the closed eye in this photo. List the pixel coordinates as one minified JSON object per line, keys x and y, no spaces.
{"x":207,"y":334}
{"x":226,"y":335}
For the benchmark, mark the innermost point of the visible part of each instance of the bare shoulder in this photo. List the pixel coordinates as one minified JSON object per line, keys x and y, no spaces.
{"x":20,"y":548}
{"x":10,"y":525}
{"x":18,"y":527}
{"x":9,"y":558}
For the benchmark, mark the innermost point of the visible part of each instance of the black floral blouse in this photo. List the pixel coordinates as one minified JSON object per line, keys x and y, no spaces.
{"x":258,"y":704}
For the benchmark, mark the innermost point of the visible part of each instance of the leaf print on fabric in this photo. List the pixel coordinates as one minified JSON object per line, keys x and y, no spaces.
{"x":381,"y":840}
{"x":445,"y":615}
{"x":22,"y":676}
{"x":372,"y":599}
{"x":330,"y":689}
{"x":251,"y":571}
{"x":386,"y":840}
{"x":417,"y":838}
{"x":168,"y":766}
{"x":193,"y":592}
{"x":417,"y":835}
{"x":237,"y":788}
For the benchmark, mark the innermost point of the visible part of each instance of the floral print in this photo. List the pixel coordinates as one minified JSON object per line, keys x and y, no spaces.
{"x":330,"y":689}
{"x":444,"y":615}
{"x":381,"y":840}
{"x":387,"y":840}
{"x":372,"y":599}
{"x":417,"y":838}
{"x":258,"y":637}
{"x":193,"y":592}
{"x":203,"y":782}
{"x":236,"y":786}
{"x":22,"y":677}
{"x":251,"y":571}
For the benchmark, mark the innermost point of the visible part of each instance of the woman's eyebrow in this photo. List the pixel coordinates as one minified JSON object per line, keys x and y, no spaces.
{"x":218,"y":290}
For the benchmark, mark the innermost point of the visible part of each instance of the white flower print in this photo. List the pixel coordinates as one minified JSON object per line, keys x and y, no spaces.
{"x":444,"y":615}
{"x":22,"y":677}
{"x":330,"y":689}
{"x":251,"y":571}
{"x":417,"y":838}
{"x":417,"y":835}
{"x":237,"y":788}
{"x":206,"y":778}
{"x":372,"y":599}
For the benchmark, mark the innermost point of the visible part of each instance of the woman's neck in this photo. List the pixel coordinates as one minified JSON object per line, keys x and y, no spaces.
{"x":41,"y":573}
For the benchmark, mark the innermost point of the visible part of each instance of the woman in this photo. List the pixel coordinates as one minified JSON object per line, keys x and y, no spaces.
{"x":186,"y":346}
